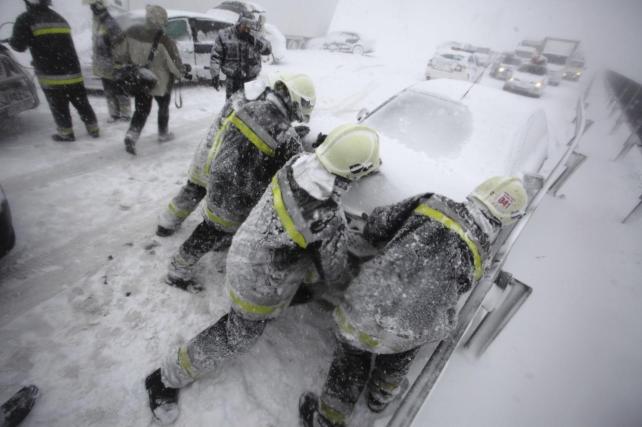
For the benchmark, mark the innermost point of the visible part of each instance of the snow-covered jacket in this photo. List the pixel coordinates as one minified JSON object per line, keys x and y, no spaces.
{"x":287,"y":235}
{"x":48,"y":36}
{"x":106,"y":35}
{"x":197,"y":171}
{"x":238,"y":55}
{"x":253,"y":143}
{"x":406,"y":296}
{"x":138,"y":43}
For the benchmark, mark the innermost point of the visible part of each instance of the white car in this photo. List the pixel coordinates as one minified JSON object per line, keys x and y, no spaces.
{"x":454,"y":64}
{"x":529,"y":79}
{"x":432,"y":140}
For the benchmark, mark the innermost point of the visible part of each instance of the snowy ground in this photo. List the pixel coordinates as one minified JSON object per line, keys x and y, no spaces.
{"x":85,"y":315}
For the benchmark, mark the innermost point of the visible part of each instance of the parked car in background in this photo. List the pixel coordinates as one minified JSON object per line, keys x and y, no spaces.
{"x":7,"y":234}
{"x":529,"y":79}
{"x":454,"y":64}
{"x":343,"y":41}
{"x":229,"y":11}
{"x":526,"y":53}
{"x":17,"y":90}
{"x":503,"y":68}
{"x":194,"y":34}
{"x":558,"y":52}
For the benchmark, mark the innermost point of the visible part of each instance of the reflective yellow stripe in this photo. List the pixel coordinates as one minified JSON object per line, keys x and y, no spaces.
{"x":253,"y":137}
{"x":286,"y":220}
{"x":61,"y":82}
{"x":185,"y":362}
{"x":346,"y":327}
{"x":251,"y":308}
{"x":334,"y":416}
{"x":54,"y":30}
{"x":178,"y":213}
{"x":216,"y":144}
{"x":222,"y":221}
{"x":453,"y":226}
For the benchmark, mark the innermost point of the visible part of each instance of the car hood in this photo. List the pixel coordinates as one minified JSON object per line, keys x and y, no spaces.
{"x":489,"y":150}
{"x":527,"y":77}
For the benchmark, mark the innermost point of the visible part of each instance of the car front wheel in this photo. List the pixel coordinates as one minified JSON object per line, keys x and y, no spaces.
{"x":358,"y":50}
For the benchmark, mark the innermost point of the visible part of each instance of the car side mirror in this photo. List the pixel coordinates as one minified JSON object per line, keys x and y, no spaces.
{"x":362,"y":114}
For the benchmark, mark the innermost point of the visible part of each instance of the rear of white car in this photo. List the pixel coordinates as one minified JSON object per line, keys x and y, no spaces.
{"x":450,"y":64}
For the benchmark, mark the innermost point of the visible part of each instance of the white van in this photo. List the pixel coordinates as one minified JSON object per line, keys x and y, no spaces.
{"x":194,"y":34}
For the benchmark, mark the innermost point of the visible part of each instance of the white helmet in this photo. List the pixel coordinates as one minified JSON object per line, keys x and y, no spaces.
{"x":350,"y":151}
{"x":504,"y":197}
{"x":301,"y":90}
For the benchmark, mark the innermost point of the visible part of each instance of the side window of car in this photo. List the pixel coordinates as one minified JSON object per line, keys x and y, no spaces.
{"x":205,"y":30}
{"x":177,"y":29}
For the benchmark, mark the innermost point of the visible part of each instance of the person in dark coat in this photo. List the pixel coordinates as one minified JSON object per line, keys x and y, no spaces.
{"x":250,"y":146}
{"x":47,"y":35}
{"x":433,"y":250}
{"x":106,"y":35}
{"x":297,"y":227}
{"x":237,"y":54}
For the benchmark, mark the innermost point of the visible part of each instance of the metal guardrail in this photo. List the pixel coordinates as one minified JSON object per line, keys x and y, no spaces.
{"x":432,"y":371}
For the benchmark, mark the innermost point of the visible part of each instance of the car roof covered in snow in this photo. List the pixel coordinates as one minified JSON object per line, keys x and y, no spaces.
{"x":171,"y":13}
{"x":450,"y":145}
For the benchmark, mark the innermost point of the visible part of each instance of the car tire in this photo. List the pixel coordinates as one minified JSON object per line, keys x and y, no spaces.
{"x":358,"y":50}
{"x":332,"y":47}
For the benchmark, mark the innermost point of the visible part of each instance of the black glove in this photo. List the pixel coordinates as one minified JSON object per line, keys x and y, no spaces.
{"x":320,"y":138}
{"x":216,"y":83}
{"x":302,"y":131}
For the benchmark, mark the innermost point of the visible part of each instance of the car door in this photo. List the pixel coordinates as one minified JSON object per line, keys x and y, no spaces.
{"x":178,"y":30}
{"x":205,"y":32}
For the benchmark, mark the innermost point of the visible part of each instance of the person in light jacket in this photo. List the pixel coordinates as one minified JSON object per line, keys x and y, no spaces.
{"x":166,"y":66}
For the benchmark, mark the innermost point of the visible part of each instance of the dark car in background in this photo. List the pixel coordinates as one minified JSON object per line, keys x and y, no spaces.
{"x":7,"y":235}
{"x":17,"y":90}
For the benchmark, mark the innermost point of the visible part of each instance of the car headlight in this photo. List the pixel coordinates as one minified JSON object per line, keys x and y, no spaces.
{"x":579,"y":73}
{"x":512,"y":79}
{"x":538,"y":84}
{"x":501,"y":69}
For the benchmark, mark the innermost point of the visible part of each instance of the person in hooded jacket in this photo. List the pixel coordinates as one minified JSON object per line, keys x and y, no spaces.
{"x":106,"y":35}
{"x":166,"y":66}
{"x":237,"y":54}
{"x":190,"y":194}
{"x":433,"y":250}
{"x":47,"y":35}
{"x":297,"y":226}
{"x":252,"y":143}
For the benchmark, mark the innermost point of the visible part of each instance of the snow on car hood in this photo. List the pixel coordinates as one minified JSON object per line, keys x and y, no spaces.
{"x":486,"y":145}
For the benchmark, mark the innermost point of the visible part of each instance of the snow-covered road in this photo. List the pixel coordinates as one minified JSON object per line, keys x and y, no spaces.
{"x":83,"y":310}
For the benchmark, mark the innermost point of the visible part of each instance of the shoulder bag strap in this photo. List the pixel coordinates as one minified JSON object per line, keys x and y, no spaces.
{"x":152,"y":52}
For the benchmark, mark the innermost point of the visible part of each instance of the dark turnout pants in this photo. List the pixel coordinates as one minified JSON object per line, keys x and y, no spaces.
{"x":348,"y":375}
{"x":143,"y":105}
{"x":232,"y":85}
{"x":59,"y":99}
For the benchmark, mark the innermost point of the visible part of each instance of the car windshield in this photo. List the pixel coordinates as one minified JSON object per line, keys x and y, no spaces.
{"x":510,"y":60}
{"x":538,"y":70}
{"x":424,"y":123}
{"x":555,"y":59}
{"x":577,"y":64}
{"x":453,"y":57}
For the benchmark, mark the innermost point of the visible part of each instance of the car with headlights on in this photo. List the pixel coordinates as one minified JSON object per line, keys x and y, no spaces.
{"x":505,"y":65}
{"x":454,"y":64}
{"x":574,"y":69}
{"x":528,"y":79}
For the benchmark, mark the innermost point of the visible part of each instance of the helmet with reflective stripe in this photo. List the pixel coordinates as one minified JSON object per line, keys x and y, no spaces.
{"x":350,"y":151}
{"x":504,"y":197}
{"x":302,"y":94}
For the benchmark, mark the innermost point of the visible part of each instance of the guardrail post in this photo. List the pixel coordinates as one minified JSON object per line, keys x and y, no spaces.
{"x":630,"y":142}
{"x":495,"y":321}
{"x":573,"y":162}
{"x":634,"y":211}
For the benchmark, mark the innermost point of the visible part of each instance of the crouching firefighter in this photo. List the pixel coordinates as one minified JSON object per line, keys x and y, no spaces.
{"x":190,"y":195}
{"x":298,"y":224}
{"x":47,"y":35}
{"x":433,"y":251}
{"x":251,"y":145}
